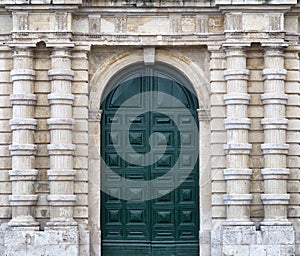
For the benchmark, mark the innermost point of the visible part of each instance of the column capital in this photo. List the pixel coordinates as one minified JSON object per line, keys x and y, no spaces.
{"x":275,"y":45}
{"x":57,"y":46}
{"x":22,"y":46}
{"x":203,"y":113}
{"x":214,"y":48}
{"x":235,"y":46}
{"x":95,"y":116}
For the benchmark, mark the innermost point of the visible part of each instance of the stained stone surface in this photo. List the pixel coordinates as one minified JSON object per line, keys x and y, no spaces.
{"x":241,"y":57}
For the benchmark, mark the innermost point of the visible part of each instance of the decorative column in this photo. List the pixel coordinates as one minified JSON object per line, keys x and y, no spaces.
{"x":61,"y":150}
{"x":274,"y":149}
{"x":237,"y":149}
{"x":23,"y":125}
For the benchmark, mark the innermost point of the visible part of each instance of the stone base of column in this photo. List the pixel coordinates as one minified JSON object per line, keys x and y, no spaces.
{"x":61,"y":211}
{"x":269,"y":240}
{"x":22,"y":211}
{"x":275,"y":209}
{"x":49,"y":242}
{"x":238,"y":209}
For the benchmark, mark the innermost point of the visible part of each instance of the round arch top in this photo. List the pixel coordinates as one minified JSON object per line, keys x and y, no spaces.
{"x":162,"y":72}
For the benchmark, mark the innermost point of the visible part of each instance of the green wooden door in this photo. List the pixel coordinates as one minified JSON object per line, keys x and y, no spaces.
{"x":168,"y":222}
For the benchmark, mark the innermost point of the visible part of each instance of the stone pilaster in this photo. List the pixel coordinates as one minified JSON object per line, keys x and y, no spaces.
{"x":61,"y":149}
{"x":274,"y":149}
{"x":204,"y":117}
{"x":237,"y":124}
{"x":23,"y":150}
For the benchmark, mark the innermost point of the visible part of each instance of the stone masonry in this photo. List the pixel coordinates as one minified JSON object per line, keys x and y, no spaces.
{"x":56,"y":60}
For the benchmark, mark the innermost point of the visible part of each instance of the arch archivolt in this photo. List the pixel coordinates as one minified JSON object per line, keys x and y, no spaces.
{"x":98,"y":84}
{"x":182,"y":64}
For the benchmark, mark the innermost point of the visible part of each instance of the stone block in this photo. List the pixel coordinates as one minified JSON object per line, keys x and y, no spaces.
{"x":42,"y":112}
{"x":217,"y":100}
{"x":80,"y":212}
{"x":292,"y":87}
{"x":255,"y":75}
{"x":80,"y":138}
{"x":82,"y":200}
{"x":5,"y":138}
{"x":294,"y":149}
{"x":81,"y":100}
{"x":217,"y":199}
{"x":5,"y":113}
{"x":81,"y":150}
{"x":42,"y":86}
{"x":258,"y":250}
{"x":218,"y":87}
{"x":217,"y":124}
{"x":42,"y":75}
{"x":80,"y":125}
{"x":218,"y":212}
{"x":81,"y":187}
{"x":293,"y":125}
{"x":5,"y":88}
{"x":217,"y":75}
{"x":278,"y":235}
{"x":5,"y":64}
{"x":80,"y":112}
{"x":217,"y":175}
{"x":217,"y":63}
{"x":256,"y":187}
{"x":80,"y":23}
{"x":5,"y":162}
{"x":218,"y":137}
{"x":84,"y":247}
{"x":293,"y":137}
{"x":42,"y":162}
{"x":236,"y":250}
{"x":80,"y":87}
{"x":292,"y":64}
{"x":218,"y":111}
{"x":80,"y":162}
{"x":42,"y":137}
{"x":80,"y":75}
{"x":293,"y":186}
{"x":218,"y":149}
{"x":42,"y":100}
{"x":292,"y":75}
{"x":218,"y":162}
{"x":256,"y":137}
{"x":255,"y":87}
{"x":42,"y":64}
{"x":255,"y":111}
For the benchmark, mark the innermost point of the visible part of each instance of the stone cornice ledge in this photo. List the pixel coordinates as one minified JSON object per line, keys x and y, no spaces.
{"x":255,"y":5}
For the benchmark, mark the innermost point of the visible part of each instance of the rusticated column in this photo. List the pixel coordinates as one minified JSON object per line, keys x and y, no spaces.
{"x":23,"y":125}
{"x":237,"y":174}
{"x":274,"y":149}
{"x":61,"y":150}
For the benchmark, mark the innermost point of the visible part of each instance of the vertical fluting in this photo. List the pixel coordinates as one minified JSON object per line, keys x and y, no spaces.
{"x":23,"y":150}
{"x":237,"y":124}
{"x":61,"y":149}
{"x":274,"y":149}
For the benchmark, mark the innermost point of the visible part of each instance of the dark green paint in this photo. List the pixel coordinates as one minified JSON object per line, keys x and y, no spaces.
{"x":168,"y":225}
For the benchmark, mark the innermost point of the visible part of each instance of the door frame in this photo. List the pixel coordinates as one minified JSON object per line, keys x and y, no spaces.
{"x":98,"y":85}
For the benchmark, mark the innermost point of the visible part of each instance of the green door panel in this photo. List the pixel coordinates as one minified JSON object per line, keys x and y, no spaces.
{"x":169,"y":224}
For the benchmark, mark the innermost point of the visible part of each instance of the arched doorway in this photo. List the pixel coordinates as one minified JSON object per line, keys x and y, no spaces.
{"x":149,"y":133}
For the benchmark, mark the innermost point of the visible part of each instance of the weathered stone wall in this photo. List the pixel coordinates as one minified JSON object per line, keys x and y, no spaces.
{"x":243,"y":61}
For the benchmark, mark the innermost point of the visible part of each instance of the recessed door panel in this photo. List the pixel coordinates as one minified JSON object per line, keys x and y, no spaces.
{"x":143,"y":140}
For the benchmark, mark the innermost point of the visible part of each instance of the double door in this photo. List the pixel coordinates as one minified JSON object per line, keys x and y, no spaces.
{"x":150,"y":168}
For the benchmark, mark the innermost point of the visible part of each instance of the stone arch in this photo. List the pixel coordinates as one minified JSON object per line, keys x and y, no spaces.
{"x":98,"y":85}
{"x":182,"y":64}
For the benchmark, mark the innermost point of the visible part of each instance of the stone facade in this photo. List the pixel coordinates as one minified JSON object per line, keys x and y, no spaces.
{"x":242,"y":58}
